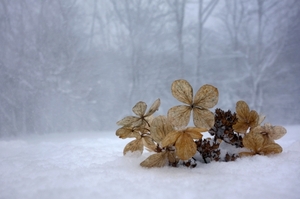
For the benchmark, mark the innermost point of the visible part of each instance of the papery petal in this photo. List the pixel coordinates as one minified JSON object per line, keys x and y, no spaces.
{"x":128,"y":121}
{"x":240,"y":127}
{"x":182,"y":91}
{"x":195,"y":132}
{"x":206,"y":97}
{"x":203,"y":118}
{"x":271,"y":149}
{"x":155,"y":160}
{"x":275,"y":132}
{"x":160,"y":127}
{"x":140,"y":108}
{"x":154,"y":107}
{"x":171,"y":156}
{"x":245,"y":154}
{"x":253,"y":141}
{"x":170,"y":139}
{"x":127,"y":132}
{"x":242,"y":109}
{"x":135,"y":145}
{"x":179,"y":116}
{"x":253,"y":119}
{"x":148,"y":143}
{"x":185,"y":147}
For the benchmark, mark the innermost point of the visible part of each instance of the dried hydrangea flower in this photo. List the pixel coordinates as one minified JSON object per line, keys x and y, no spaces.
{"x":273,"y":132}
{"x":160,"y":127}
{"x":183,"y":141}
{"x":205,"y":98}
{"x":260,"y":144}
{"x":246,"y":118}
{"x":142,"y":117}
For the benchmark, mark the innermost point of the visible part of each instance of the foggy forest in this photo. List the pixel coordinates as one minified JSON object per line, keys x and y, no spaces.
{"x":75,"y":65}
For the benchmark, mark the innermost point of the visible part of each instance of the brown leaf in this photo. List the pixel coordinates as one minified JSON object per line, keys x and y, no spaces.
{"x":140,"y":108}
{"x":154,"y":107}
{"x":148,"y":143}
{"x":135,"y":145}
{"x":206,"y":97}
{"x":182,"y":91}
{"x":185,"y":147}
{"x":203,"y":118}
{"x":170,"y":139}
{"x":160,"y":127}
{"x":127,"y":132}
{"x":179,"y":116}
{"x":129,"y":121}
{"x":155,"y":160}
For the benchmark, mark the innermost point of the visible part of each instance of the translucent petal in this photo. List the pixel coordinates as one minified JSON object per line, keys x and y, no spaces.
{"x":127,"y":132}
{"x":195,"y":132}
{"x":206,"y":97}
{"x":253,"y":119}
{"x":182,"y":91}
{"x":242,"y":109}
{"x":135,"y":145}
{"x":274,"y":132}
{"x":160,"y":127}
{"x":128,"y":121}
{"x":148,"y":143}
{"x":185,"y":147}
{"x":140,"y":108}
{"x":253,"y":141}
{"x":155,"y":160}
{"x":154,"y":107}
{"x":170,"y":139}
{"x":203,"y":118}
{"x":179,"y":116}
{"x":271,"y":149}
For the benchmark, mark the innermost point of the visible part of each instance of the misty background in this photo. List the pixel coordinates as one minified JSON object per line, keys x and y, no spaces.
{"x":81,"y":65}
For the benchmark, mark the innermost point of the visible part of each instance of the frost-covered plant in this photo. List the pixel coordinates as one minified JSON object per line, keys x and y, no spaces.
{"x":172,"y":142}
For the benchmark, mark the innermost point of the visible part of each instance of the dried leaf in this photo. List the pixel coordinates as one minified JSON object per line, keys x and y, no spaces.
{"x":179,"y":116}
{"x":148,"y":143}
{"x":160,"y":127}
{"x":140,"y":108}
{"x":129,"y":121}
{"x":154,"y":107}
{"x":203,"y":118}
{"x":155,"y":160}
{"x":135,"y":145}
{"x":127,"y":132}
{"x":170,"y":139}
{"x":185,"y":146}
{"x":206,"y":97}
{"x":195,"y":132}
{"x":182,"y":91}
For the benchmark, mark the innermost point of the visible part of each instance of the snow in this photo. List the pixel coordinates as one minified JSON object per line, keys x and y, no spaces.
{"x":91,"y":165}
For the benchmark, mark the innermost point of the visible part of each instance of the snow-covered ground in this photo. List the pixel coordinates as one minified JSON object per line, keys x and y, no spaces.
{"x":91,"y":165}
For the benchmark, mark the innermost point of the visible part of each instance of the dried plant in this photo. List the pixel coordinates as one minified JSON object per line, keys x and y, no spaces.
{"x":171,"y":141}
{"x":205,"y":98}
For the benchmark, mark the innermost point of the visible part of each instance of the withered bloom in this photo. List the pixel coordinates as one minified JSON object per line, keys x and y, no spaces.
{"x":205,"y":98}
{"x":246,"y":118}
{"x":184,"y":141}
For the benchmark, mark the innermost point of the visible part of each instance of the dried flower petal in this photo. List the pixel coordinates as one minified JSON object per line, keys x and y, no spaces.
{"x":170,"y":139}
{"x":140,"y":108}
{"x":148,"y":143}
{"x":195,"y":132}
{"x":272,"y":148}
{"x":135,"y":145}
{"x":155,"y":160}
{"x":246,"y":118}
{"x":129,"y":121}
{"x":154,"y":107}
{"x":127,"y":132}
{"x":179,"y":116}
{"x":185,"y":146}
{"x":203,"y":118}
{"x":253,"y":141}
{"x":160,"y":127}
{"x":206,"y":97}
{"x":182,"y":91}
